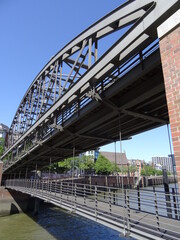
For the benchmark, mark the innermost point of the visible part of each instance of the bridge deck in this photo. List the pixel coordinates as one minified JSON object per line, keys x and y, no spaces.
{"x":151,"y":219}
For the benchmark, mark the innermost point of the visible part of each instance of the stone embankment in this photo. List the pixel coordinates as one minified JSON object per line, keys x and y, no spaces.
{"x":118,"y":181}
{"x":14,"y":202}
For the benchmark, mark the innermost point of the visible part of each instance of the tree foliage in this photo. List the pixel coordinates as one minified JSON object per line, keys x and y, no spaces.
{"x":150,"y":171}
{"x":132,"y":169}
{"x":103,"y":166}
{"x":124,"y":169}
{"x":84,"y":163}
{"x":1,"y":146}
{"x":115,"y":168}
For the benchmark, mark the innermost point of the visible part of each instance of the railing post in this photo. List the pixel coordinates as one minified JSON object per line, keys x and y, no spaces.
{"x":167,"y":193}
{"x":75,"y":196}
{"x":138,"y":195}
{"x":67,"y":189}
{"x":61,"y":192}
{"x":175,"y":205}
{"x":96,"y":201}
{"x":156,"y":209}
{"x":114,"y":197}
{"x":126,"y":192}
{"x":48,"y":186}
{"x":50,"y":189}
{"x":31,"y":183}
{"x":39,"y":185}
{"x":42,"y":187}
{"x":109,"y":195}
{"x":84,"y":195}
{"x":55,"y":190}
{"x":90,"y":182}
{"x":36,"y":184}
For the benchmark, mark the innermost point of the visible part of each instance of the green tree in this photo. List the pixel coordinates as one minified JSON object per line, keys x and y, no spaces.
{"x":86,"y":163}
{"x":1,"y":150}
{"x":143,"y":172}
{"x":68,"y":164}
{"x":115,"y":168}
{"x":59,"y":167}
{"x":149,"y":170}
{"x":123,"y":169}
{"x":132,"y":169}
{"x":159,"y":173}
{"x":1,"y":146}
{"x":103,"y":165}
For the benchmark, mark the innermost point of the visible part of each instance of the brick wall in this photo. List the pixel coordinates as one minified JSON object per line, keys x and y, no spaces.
{"x":170,"y":57}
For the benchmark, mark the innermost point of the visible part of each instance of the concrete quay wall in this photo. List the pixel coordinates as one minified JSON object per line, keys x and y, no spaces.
{"x":117,"y":181}
{"x":108,"y":181}
{"x":12,"y":202}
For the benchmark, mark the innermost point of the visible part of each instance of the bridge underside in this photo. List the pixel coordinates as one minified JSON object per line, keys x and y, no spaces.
{"x":135,"y":103}
{"x":81,"y":100}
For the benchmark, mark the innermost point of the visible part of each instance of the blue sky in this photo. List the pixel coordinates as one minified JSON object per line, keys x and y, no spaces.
{"x":31,"y":32}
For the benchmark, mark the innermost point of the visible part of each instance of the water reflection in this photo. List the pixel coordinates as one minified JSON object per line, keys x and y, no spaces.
{"x":53,"y":223}
{"x":67,"y":226}
{"x":22,"y":227}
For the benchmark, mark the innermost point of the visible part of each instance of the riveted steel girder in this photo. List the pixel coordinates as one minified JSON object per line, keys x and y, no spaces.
{"x":64,"y":86}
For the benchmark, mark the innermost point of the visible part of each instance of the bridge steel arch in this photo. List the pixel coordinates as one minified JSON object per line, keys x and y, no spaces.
{"x":78,"y":99}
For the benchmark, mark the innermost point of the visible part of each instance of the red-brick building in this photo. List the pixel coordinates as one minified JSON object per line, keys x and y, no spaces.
{"x":169,"y":35}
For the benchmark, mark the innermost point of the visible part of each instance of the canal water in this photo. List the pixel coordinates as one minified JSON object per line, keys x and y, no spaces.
{"x":53,"y":223}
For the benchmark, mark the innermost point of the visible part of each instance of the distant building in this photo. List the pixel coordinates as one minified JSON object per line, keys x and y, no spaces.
{"x":158,"y":167}
{"x":138,"y":164}
{"x":119,"y":158}
{"x":3,"y":131}
{"x":173,"y":162}
{"x":164,"y":162}
{"x":93,"y":153}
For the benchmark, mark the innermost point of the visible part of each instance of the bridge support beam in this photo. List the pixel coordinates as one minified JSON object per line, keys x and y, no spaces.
{"x":1,"y":169}
{"x":169,"y":35}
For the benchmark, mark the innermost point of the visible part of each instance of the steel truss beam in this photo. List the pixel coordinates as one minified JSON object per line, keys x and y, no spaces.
{"x":60,"y":89}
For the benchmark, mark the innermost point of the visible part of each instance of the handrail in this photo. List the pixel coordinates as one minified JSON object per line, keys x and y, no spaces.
{"x":147,"y":214}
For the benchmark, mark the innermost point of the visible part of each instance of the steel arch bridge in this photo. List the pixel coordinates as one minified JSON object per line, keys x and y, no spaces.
{"x":83,"y":97}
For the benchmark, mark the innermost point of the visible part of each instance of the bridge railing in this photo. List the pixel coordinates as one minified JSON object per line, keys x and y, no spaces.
{"x":133,"y":210}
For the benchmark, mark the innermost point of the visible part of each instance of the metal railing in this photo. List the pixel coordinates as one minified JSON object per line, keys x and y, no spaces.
{"x":140,"y":213}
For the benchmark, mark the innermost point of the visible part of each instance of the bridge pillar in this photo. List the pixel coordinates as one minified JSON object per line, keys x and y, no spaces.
{"x":1,"y":169}
{"x":169,"y":35}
